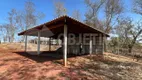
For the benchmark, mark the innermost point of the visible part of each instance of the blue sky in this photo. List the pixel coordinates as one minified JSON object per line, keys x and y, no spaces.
{"x":47,"y":7}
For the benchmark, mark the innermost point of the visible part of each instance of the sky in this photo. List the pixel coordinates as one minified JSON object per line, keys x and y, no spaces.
{"x":44,"y":6}
{"x":47,"y":7}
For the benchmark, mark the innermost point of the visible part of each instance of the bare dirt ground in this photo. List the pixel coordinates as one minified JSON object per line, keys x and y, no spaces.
{"x":14,"y":66}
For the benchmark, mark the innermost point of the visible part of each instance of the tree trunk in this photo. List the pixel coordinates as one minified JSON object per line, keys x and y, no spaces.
{"x":130,"y":49}
{"x":105,"y":44}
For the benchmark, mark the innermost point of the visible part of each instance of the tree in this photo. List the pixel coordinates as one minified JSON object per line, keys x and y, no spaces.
{"x":92,"y":12}
{"x":20,"y":20}
{"x":59,"y":9}
{"x":113,"y":44}
{"x":76,"y":14}
{"x":29,"y":17}
{"x":112,"y":10}
{"x":138,"y":6}
{"x":129,"y":33}
{"x":9,"y":29}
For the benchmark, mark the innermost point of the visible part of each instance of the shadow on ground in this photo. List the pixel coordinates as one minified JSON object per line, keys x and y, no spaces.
{"x":45,"y":55}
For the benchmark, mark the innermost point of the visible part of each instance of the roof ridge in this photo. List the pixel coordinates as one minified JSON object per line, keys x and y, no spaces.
{"x":66,"y":16}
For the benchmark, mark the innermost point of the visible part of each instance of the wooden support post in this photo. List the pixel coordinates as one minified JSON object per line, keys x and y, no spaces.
{"x":49,"y":44}
{"x":101,"y":44}
{"x":118,"y":44}
{"x":100,"y":39}
{"x":94,"y":43}
{"x":103,"y":37}
{"x":26,"y":37}
{"x":38,"y":44}
{"x":65,"y":45}
{"x":91,"y":44}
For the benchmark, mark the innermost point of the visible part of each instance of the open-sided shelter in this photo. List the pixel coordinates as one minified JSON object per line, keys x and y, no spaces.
{"x":66,"y":25}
